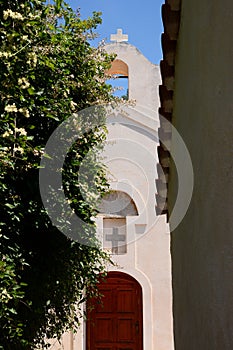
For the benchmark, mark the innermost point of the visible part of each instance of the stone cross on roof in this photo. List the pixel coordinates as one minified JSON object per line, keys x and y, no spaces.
{"x":119,"y":37}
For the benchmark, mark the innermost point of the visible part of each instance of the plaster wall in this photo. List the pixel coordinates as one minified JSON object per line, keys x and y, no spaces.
{"x":131,"y":165}
{"x":202,"y":245}
{"x":130,"y":158}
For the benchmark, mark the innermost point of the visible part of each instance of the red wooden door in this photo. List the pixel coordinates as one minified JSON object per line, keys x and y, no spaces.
{"x":116,"y":323}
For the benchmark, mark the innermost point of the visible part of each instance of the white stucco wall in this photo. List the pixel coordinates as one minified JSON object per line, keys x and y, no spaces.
{"x":130,"y":158}
{"x":142,"y":74}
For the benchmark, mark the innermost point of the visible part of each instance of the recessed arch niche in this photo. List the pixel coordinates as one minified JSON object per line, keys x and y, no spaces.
{"x":117,"y":203}
{"x":114,"y":208}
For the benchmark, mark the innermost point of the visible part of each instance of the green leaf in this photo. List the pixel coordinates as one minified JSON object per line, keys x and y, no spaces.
{"x":31,"y":91}
{"x":9,"y":205}
{"x":13,"y":311}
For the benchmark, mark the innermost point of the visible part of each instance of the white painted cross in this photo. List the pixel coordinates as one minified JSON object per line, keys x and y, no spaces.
{"x":119,"y":37}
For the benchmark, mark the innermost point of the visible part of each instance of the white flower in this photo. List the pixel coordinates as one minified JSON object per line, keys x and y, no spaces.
{"x":24,"y":37}
{"x":32,"y":59}
{"x":5,"y":295}
{"x":36,"y":152}
{"x":25,"y":112}
{"x":14,"y":15}
{"x":7,"y":133}
{"x":5,"y":54}
{"x":21,"y":131}
{"x":73,"y":105}
{"x":11,"y":108}
{"x":19,"y":149}
{"x":24,"y":83}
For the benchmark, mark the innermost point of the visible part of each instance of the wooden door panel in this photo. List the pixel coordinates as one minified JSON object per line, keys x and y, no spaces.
{"x":106,"y":305}
{"x":125,"y":330}
{"x":125,"y":300}
{"x":103,"y":329}
{"x":116,"y":322}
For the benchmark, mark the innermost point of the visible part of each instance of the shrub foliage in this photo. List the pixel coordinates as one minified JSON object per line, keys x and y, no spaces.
{"x":48,"y":71}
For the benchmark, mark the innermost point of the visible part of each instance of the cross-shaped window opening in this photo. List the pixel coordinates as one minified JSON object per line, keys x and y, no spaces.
{"x":115,"y":235}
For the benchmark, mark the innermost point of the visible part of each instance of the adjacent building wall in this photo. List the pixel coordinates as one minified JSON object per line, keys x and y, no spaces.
{"x":202,"y":245}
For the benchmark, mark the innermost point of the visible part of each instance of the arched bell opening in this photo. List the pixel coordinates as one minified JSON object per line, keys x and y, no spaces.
{"x":119,"y":73}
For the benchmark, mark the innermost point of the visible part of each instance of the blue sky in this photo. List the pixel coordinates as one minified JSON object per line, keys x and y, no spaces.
{"x":141,"y":20}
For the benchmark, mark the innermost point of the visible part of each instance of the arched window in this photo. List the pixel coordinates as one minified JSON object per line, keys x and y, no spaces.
{"x":119,"y":81}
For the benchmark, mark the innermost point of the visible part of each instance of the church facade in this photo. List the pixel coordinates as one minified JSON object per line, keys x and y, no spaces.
{"x":137,"y":297}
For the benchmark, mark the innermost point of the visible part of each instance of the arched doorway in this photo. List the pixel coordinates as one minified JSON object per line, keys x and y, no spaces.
{"x":116,"y":323}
